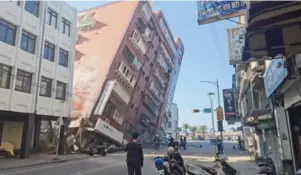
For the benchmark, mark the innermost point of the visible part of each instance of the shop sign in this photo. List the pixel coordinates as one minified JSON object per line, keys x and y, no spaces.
{"x":274,"y":75}
{"x":213,"y":11}
{"x":108,"y":130}
{"x":229,"y":105}
{"x":236,"y":42}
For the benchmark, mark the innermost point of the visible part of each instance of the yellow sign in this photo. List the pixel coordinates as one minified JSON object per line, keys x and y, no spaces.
{"x":219,"y":113}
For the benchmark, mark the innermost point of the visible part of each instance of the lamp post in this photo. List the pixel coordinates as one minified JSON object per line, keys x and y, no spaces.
{"x":215,"y":83}
{"x":212,"y":118}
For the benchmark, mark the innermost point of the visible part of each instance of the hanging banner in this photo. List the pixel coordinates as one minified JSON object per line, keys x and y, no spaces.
{"x":213,"y":11}
{"x":236,"y":43}
{"x":229,"y":105}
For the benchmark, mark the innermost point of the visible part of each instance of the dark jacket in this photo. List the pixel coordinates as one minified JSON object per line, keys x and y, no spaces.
{"x":134,"y":153}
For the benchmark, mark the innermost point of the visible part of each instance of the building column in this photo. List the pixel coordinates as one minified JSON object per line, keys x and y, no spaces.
{"x":37,"y":132}
{"x":62,"y":139}
{"x":27,"y":137}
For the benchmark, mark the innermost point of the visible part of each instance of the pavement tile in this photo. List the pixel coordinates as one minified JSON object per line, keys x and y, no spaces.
{"x":38,"y":159}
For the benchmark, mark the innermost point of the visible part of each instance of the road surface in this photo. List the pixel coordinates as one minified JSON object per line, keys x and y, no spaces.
{"x":112,"y":164}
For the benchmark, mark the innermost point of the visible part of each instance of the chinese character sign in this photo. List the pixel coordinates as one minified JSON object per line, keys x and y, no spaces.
{"x":229,"y":104}
{"x":212,"y":11}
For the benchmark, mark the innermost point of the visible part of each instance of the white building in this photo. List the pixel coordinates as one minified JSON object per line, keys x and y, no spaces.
{"x":173,"y":121}
{"x":30,"y":30}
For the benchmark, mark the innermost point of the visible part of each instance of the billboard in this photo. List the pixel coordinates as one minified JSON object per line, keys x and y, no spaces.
{"x":236,"y":42}
{"x":213,"y":11}
{"x":229,"y":105}
{"x":274,"y":75}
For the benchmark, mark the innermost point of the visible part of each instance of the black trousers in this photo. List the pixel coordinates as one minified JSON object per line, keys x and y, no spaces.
{"x":134,"y":168}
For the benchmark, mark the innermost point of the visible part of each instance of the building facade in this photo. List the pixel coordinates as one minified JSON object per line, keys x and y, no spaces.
{"x":270,"y":80}
{"x":171,"y":129}
{"x":122,"y":71}
{"x":36,"y":62}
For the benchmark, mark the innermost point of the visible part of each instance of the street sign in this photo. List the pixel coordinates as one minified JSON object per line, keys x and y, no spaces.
{"x":219,"y":113}
{"x":195,"y":111}
{"x":207,"y":110}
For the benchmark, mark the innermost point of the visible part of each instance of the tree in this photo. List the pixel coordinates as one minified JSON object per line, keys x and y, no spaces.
{"x":203,"y":129}
{"x":185,"y":127}
{"x":193,"y":129}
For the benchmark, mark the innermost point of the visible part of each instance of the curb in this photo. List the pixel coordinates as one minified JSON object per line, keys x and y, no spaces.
{"x":44,"y":163}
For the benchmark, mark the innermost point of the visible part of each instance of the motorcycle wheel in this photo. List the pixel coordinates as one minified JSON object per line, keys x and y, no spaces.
{"x":104,"y":153}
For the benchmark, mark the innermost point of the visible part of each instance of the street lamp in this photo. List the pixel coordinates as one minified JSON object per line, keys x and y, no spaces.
{"x":212,"y":118}
{"x":215,"y":83}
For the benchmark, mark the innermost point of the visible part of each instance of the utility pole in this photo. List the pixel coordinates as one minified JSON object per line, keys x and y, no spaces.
{"x":219,"y":122}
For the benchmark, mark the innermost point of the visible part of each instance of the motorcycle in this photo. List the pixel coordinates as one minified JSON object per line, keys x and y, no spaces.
{"x":227,"y":169}
{"x":200,"y":170}
{"x":167,"y":166}
{"x":172,"y":167}
{"x":266,"y":165}
{"x":97,"y":149}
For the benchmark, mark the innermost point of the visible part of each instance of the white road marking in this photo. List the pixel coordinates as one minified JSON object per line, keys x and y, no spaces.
{"x":41,"y":168}
{"x":97,"y":169}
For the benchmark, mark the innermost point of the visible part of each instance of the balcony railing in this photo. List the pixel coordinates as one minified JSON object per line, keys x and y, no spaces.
{"x":148,"y":35}
{"x":138,"y":42}
{"x":160,"y":78}
{"x":124,"y":75}
{"x":150,"y":105}
{"x":122,"y":92}
{"x":166,"y":55}
{"x":162,"y":64}
{"x":158,"y":94}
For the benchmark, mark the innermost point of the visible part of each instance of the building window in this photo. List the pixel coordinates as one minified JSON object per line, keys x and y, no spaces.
{"x":60,"y":90}
{"x":7,"y":32}
{"x":128,"y":54}
{"x":136,"y":36}
{"x":32,"y":7}
{"x":45,"y":87}
{"x":28,"y":42}
{"x":65,"y":26}
{"x":63,"y":58}
{"x":23,"y":81}
{"x":49,"y":50}
{"x":5,"y":74}
{"x":51,"y":18}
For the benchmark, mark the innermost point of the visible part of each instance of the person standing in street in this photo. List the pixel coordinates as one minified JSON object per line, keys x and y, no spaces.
{"x":134,"y":157}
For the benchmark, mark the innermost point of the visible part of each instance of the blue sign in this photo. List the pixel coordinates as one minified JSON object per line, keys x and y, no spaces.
{"x":212,"y":11}
{"x":229,"y":105}
{"x":274,"y":75}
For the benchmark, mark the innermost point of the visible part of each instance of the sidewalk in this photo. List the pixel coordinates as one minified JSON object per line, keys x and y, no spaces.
{"x":38,"y":159}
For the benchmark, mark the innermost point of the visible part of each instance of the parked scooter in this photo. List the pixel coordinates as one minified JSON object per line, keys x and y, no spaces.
{"x":97,"y":149}
{"x":266,"y":165}
{"x":222,"y":160}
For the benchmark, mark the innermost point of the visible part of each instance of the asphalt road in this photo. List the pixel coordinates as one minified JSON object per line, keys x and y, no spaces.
{"x":113,"y":164}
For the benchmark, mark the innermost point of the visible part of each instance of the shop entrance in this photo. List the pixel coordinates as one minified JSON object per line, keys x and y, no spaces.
{"x":295,"y":125}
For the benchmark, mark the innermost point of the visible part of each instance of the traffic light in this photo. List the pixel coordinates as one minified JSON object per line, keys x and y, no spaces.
{"x":219,"y":113}
{"x":195,"y":111}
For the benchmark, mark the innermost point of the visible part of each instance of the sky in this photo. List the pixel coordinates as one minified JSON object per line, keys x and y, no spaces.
{"x":205,"y":58}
